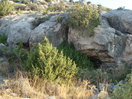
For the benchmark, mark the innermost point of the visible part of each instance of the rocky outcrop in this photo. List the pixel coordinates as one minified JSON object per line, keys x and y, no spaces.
{"x":20,"y":28}
{"x":51,"y":29}
{"x":110,"y":45}
{"x":17,"y":28}
{"x":120,"y":20}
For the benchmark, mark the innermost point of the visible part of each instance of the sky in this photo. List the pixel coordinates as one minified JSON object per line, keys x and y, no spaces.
{"x":114,"y":4}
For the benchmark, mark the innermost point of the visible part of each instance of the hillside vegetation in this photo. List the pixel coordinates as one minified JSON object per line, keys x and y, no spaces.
{"x":43,"y":71}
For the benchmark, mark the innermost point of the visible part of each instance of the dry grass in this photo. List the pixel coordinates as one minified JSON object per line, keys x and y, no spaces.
{"x":37,"y":88}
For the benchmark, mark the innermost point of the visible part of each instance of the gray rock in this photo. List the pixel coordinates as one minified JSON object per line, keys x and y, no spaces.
{"x":1,"y":80}
{"x":17,"y":28}
{"x":51,"y":29}
{"x":109,"y":45}
{"x":120,"y":20}
{"x":94,"y":97}
{"x":20,"y":28}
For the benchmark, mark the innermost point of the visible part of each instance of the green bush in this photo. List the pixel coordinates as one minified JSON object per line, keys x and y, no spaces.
{"x":24,"y":1}
{"x":5,"y":7}
{"x":3,"y":39}
{"x":80,"y":59}
{"x":83,"y":17}
{"x":59,"y":19}
{"x":48,"y":0}
{"x":46,"y":62}
{"x":124,"y":91}
{"x":56,"y":7}
{"x":19,"y":11}
{"x":34,"y":7}
{"x":16,"y":1}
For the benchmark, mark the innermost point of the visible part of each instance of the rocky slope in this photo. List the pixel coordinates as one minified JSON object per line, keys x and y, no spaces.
{"x":111,"y":42}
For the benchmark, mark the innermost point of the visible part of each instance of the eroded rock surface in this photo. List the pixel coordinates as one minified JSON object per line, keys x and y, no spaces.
{"x":20,"y":28}
{"x":112,"y":46}
{"x":120,"y":20}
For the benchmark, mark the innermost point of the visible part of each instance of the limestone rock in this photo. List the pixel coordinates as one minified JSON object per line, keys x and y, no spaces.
{"x":108,"y":44}
{"x":51,"y":29}
{"x":20,"y":28}
{"x":120,"y":20}
{"x":17,"y":28}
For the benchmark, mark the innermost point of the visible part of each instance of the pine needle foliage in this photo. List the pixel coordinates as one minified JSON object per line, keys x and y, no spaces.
{"x":5,"y":7}
{"x":46,"y":62}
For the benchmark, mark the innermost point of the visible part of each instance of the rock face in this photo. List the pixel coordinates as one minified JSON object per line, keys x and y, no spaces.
{"x":120,"y":20}
{"x":110,"y":45}
{"x":20,"y":28}
{"x":51,"y":29}
{"x":17,"y":28}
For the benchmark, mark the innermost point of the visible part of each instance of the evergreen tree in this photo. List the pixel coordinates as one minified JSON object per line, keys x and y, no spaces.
{"x":46,"y":62}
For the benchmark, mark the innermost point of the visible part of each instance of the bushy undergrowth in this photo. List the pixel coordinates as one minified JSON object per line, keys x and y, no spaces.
{"x":56,"y":7}
{"x":3,"y":39}
{"x":80,"y":59}
{"x":46,"y":62}
{"x":5,"y":7}
{"x":124,"y":91}
{"x":83,"y":17}
{"x":34,"y":7}
{"x":16,"y":57}
{"x":25,"y":2}
{"x":15,"y":53}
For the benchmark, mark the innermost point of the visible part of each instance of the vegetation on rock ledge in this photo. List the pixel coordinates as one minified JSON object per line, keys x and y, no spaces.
{"x":83,"y":17}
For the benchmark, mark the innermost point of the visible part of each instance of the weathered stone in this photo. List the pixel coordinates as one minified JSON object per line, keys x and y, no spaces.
{"x":103,"y":95}
{"x":120,"y":20}
{"x":51,"y":29}
{"x":20,"y":28}
{"x":17,"y":28}
{"x":109,"y":45}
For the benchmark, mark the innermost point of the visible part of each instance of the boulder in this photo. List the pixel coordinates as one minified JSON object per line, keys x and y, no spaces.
{"x":17,"y":28}
{"x":51,"y":29}
{"x":120,"y":19}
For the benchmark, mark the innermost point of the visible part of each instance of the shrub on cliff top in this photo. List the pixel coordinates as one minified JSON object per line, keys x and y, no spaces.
{"x":5,"y":7}
{"x":46,"y":62}
{"x":83,"y":17}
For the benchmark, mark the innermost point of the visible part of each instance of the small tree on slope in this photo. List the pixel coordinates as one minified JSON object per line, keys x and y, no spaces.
{"x":49,"y":64}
